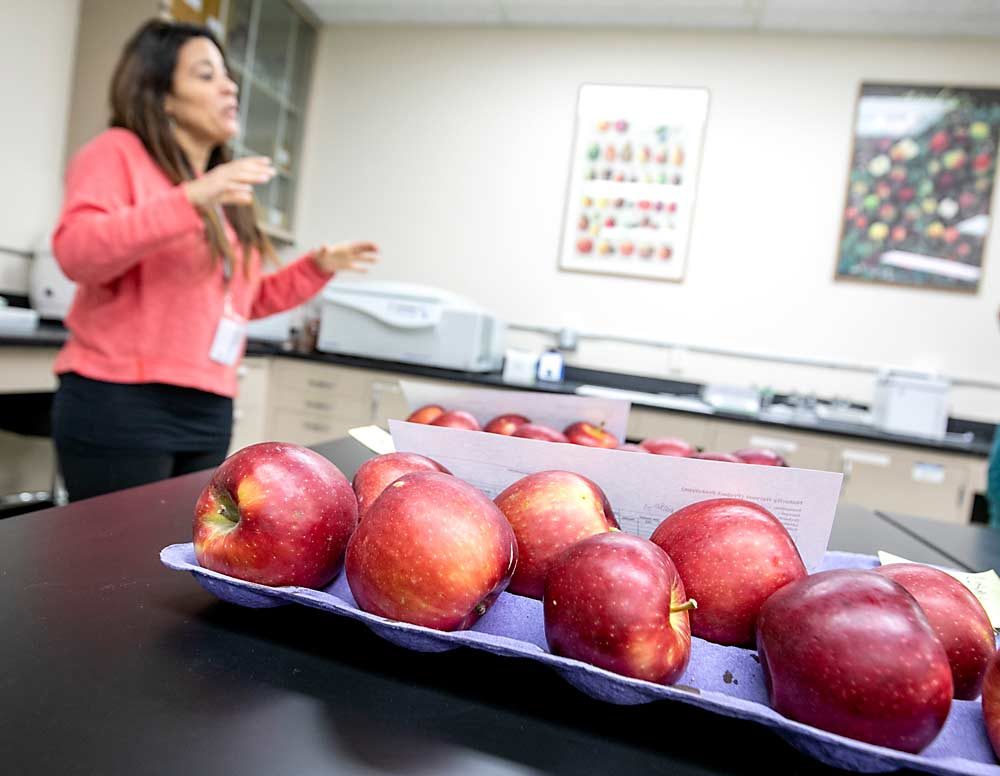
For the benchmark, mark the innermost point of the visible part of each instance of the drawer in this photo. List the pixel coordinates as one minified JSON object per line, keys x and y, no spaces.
{"x":323,"y":404}
{"x":27,"y":370}
{"x":307,"y":428}
{"x":320,"y":379}
{"x":800,"y":450}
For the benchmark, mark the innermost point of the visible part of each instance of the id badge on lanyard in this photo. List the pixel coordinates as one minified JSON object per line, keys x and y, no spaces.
{"x":229,"y":335}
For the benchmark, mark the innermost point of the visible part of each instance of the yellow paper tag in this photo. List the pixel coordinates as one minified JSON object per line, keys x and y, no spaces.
{"x":374,"y":438}
{"x":985,"y":585}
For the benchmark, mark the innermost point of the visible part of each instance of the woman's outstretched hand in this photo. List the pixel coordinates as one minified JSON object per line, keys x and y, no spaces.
{"x":351,"y":256}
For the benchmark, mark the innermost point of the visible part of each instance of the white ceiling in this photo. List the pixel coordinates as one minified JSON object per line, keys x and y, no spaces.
{"x":875,"y":17}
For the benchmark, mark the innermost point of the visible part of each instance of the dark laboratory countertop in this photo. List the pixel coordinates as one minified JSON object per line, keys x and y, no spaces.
{"x":965,"y":436}
{"x":113,"y":664}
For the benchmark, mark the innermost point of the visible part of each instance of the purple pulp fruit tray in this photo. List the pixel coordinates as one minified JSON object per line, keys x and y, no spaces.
{"x":725,"y":680}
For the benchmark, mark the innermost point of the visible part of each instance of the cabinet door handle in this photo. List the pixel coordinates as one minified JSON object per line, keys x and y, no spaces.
{"x":313,"y":382}
{"x":322,"y":406}
{"x":315,"y":426}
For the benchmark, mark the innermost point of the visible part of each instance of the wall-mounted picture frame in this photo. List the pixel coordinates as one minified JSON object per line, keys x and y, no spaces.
{"x":633,"y":179}
{"x":922,"y":170}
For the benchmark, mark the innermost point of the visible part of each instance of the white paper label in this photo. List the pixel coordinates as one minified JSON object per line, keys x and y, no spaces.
{"x":228,"y":340}
{"x":374,"y":438}
{"x":932,"y":473}
{"x":642,"y":489}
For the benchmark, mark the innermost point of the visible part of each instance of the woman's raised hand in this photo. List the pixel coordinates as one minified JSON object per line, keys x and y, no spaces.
{"x":230,"y":183}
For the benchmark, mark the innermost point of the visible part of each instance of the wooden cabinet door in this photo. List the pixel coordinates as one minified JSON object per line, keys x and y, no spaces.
{"x":907,"y":482}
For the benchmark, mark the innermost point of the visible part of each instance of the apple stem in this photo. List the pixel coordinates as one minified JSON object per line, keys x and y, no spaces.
{"x":684,"y":607}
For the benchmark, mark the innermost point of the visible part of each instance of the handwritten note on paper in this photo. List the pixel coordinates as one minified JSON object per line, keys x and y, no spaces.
{"x":557,"y":410}
{"x":643,"y":489}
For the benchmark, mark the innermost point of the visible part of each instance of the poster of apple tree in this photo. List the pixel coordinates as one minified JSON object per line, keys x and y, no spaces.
{"x":922,"y":170}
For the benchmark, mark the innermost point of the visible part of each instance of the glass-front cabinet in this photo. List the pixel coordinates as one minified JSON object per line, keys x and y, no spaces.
{"x":270,"y":45}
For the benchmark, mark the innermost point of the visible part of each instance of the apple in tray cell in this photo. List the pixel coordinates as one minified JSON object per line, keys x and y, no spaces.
{"x":375,"y":474}
{"x":732,"y":555}
{"x":590,"y":435}
{"x":617,"y":602}
{"x":426,"y":414}
{"x":539,"y":431}
{"x":457,"y":419}
{"x":668,"y":446}
{"x":760,"y":456}
{"x":505,"y":424}
{"x":549,"y":511}
{"x":959,"y":620}
{"x":275,"y":514}
{"x":433,"y":551}
{"x":851,"y":652}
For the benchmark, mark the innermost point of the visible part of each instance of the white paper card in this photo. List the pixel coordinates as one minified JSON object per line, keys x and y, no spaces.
{"x":228,"y":340}
{"x":374,"y":438}
{"x":557,"y":410}
{"x":642,"y":488}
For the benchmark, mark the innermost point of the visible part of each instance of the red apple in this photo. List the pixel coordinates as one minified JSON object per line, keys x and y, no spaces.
{"x":275,"y":514}
{"x":456,"y":419}
{"x":991,"y":703}
{"x":432,"y":551}
{"x":617,"y":602}
{"x":426,"y":414}
{"x":732,"y":555}
{"x":711,"y":456}
{"x":760,"y":456}
{"x":668,"y":446}
{"x":549,"y":511}
{"x":505,"y":424}
{"x":959,"y":620}
{"x":375,"y":474}
{"x":851,"y":652}
{"x":538,"y":431}
{"x":589,"y":435}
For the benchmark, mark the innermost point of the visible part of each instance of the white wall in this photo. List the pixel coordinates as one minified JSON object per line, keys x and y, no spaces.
{"x":450,"y":147}
{"x":37,"y":42}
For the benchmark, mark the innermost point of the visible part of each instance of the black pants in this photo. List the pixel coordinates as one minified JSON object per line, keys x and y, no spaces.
{"x":111,"y":436}
{"x":95,"y":472}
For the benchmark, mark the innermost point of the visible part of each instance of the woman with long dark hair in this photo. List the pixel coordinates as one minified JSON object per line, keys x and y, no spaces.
{"x":159,"y":231}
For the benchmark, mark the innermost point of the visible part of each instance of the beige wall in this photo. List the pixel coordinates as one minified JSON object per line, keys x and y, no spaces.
{"x":37,"y":41}
{"x":105,"y":25}
{"x":450,"y":146}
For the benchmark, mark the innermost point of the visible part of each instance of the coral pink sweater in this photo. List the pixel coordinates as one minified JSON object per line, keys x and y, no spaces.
{"x":150,"y":296}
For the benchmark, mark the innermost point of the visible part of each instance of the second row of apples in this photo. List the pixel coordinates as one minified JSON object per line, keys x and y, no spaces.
{"x":433,"y":550}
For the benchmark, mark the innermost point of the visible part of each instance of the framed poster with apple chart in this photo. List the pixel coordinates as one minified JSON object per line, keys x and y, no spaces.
{"x":633,"y":177}
{"x":920,"y":184}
